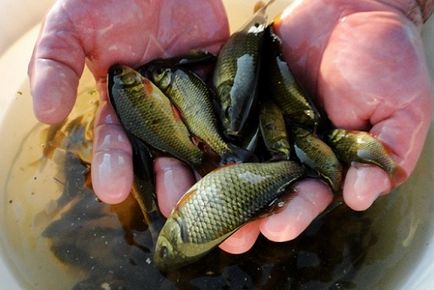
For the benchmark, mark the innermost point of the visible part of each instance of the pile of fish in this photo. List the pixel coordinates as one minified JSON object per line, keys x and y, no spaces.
{"x":250,"y":132}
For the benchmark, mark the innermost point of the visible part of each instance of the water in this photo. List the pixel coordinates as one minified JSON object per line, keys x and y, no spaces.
{"x":58,"y":233}
{"x":55,"y":231}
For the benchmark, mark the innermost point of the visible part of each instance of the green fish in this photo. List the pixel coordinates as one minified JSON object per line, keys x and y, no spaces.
{"x":317,"y":155}
{"x":143,"y":188}
{"x":361,"y":147}
{"x":193,"y":99}
{"x":283,"y":88}
{"x":147,"y":113}
{"x":273,"y":131}
{"x":192,"y":59}
{"x":236,"y":74}
{"x":219,"y":204}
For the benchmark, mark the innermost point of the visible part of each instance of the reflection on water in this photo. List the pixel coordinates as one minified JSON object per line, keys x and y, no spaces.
{"x":58,"y":232}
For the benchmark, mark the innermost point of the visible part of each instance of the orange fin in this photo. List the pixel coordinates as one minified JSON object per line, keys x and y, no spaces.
{"x":176,"y":114}
{"x":148,"y":86}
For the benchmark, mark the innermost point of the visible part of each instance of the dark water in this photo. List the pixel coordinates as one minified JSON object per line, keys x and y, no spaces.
{"x":98,"y":246}
{"x":113,"y":247}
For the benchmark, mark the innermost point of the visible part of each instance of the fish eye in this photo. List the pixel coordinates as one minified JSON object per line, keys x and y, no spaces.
{"x":164,"y":252}
{"x":129,"y":79}
{"x":228,"y":111}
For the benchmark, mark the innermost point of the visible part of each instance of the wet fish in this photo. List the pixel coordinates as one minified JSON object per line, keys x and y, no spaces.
{"x":192,"y":59}
{"x":144,"y":190}
{"x":218,"y":205}
{"x":361,"y":147}
{"x":282,"y":86}
{"x":316,"y":154}
{"x":147,"y":113}
{"x":193,"y":99}
{"x":236,"y":74}
{"x":273,"y":131}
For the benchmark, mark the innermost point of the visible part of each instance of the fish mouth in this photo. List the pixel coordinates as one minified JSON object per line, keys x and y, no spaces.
{"x":115,"y":70}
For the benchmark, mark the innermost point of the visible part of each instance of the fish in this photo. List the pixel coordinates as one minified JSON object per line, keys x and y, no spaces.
{"x":193,"y":99}
{"x":219,"y":204}
{"x":360,"y":146}
{"x":190,"y":60}
{"x":317,"y":155}
{"x":143,"y":189}
{"x":283,"y":87}
{"x":236,"y":75}
{"x":145,"y":112}
{"x":273,"y":131}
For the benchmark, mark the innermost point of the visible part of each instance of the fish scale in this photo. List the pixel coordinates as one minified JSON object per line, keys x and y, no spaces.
{"x":236,"y":73}
{"x":221,"y":203}
{"x":360,"y":146}
{"x":283,"y":88}
{"x":193,"y":98}
{"x":147,"y":113}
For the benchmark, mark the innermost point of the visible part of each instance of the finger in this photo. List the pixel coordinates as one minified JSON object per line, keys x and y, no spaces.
{"x":242,"y":240}
{"x":55,"y":68}
{"x":311,"y":197}
{"x":112,"y":168}
{"x":173,"y":179}
{"x":363,"y":185}
{"x":377,"y":70}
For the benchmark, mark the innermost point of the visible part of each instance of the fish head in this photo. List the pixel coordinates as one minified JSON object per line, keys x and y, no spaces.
{"x":123,"y":76}
{"x":167,"y":254}
{"x":120,"y":79}
{"x":336,"y":135}
{"x":162,"y":76}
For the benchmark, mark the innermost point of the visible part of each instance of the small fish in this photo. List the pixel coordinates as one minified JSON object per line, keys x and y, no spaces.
{"x":192,"y":59}
{"x":361,"y":147}
{"x":218,"y":205}
{"x":147,"y":113}
{"x":193,"y":99}
{"x":317,"y":155}
{"x":144,"y":187}
{"x":273,"y":131}
{"x":283,"y":88}
{"x":236,"y":74}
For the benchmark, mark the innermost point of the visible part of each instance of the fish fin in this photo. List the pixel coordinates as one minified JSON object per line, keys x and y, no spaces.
{"x":207,"y":166}
{"x":148,"y":87}
{"x":176,"y":114}
{"x":237,"y":155}
{"x":193,"y":58}
{"x":196,"y":141}
{"x":398,"y":175}
{"x":337,"y":202}
{"x":278,"y":204}
{"x":186,"y":197}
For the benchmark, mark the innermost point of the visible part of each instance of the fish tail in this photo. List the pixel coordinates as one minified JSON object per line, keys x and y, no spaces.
{"x":398,"y":175}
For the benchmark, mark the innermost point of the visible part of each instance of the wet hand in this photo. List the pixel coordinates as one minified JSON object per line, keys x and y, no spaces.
{"x":365,"y":62}
{"x":101,"y":33}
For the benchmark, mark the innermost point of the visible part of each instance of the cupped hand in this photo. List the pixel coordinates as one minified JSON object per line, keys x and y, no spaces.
{"x":365,"y":62}
{"x":101,"y":33}
{"x":363,"y":59}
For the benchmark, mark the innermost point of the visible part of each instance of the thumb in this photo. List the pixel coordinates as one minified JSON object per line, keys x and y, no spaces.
{"x":55,"y":67}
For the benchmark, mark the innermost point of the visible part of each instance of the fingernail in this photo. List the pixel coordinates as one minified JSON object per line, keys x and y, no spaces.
{"x":174,"y":178}
{"x":363,"y":185}
{"x":112,"y":176}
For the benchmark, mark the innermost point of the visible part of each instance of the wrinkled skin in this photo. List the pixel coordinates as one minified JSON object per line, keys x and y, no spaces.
{"x":107,"y":32}
{"x":364,"y":60}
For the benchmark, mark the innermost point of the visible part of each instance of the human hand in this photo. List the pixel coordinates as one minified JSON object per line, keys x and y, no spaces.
{"x":365,"y":62}
{"x":102,"y":33}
